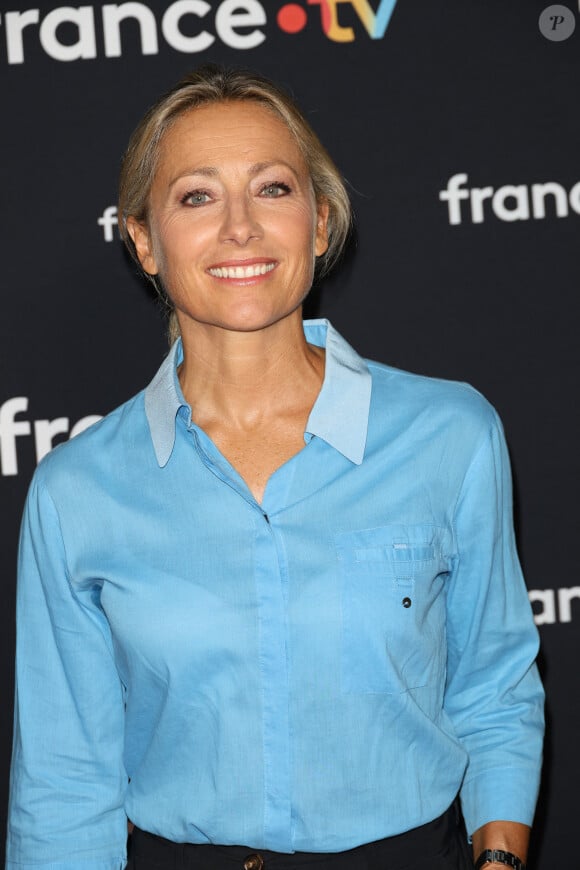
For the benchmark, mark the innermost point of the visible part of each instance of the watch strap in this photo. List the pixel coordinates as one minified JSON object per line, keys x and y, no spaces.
{"x":498,"y":856}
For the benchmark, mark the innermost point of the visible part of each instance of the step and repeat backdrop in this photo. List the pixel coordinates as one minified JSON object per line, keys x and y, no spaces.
{"x":456,"y":125}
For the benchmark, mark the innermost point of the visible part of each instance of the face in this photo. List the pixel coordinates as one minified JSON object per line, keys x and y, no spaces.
{"x":233,"y":227}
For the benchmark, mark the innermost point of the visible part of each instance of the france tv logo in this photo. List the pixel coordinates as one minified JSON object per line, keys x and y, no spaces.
{"x":69,"y":33}
{"x":293,"y":18}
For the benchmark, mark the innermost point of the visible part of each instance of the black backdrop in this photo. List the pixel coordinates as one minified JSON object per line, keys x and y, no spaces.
{"x":478,"y":284}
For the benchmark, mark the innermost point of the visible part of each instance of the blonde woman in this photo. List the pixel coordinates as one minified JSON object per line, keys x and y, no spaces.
{"x":270,"y":609}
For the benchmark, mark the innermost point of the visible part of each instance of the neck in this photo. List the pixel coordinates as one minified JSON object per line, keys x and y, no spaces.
{"x":245,"y":378}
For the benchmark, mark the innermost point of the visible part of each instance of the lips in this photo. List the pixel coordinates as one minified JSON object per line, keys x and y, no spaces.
{"x":242,"y":270}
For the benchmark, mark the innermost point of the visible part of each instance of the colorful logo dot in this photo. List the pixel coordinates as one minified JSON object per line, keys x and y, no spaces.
{"x":291,"y":18}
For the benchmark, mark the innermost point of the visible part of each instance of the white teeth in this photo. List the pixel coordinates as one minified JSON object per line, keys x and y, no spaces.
{"x":242,"y":271}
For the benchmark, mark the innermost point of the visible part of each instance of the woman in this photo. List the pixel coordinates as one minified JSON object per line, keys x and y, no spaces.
{"x":270,"y":609}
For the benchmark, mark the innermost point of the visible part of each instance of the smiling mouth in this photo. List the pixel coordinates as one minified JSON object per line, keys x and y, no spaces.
{"x":253,"y":271}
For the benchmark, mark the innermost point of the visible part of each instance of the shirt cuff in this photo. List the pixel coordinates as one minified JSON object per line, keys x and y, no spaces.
{"x":508,"y":795}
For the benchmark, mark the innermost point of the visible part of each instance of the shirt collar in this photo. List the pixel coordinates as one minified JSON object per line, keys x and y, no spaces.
{"x":339,"y":415}
{"x":163,"y":400}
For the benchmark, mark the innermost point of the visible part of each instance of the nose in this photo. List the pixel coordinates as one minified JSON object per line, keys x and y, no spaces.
{"x":240,"y":224}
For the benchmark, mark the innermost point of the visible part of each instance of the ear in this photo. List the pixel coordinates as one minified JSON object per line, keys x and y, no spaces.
{"x":321,"y":239}
{"x":141,"y":238}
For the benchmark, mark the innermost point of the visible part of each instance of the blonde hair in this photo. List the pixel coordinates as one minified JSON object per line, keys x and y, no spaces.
{"x":214,"y":84}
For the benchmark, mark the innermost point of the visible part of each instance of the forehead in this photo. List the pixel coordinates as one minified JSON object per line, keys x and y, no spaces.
{"x":243,"y":130}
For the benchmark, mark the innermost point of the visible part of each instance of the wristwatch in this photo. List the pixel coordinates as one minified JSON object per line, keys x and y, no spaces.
{"x":498,"y":856}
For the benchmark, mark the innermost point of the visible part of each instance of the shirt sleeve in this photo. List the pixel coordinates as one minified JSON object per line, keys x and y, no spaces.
{"x":67,"y":778}
{"x":493,"y":696}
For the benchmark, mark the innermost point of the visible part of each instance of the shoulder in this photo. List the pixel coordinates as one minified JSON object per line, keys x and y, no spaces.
{"x":424,"y":388}
{"x":103,"y":447}
{"x":399,"y":391}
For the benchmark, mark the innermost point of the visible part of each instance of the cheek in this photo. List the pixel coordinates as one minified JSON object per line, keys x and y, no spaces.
{"x":170,"y":245}
{"x":300,"y":231}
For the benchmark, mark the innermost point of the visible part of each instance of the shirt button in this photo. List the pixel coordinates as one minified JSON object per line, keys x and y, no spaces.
{"x":406,"y":602}
{"x":254,"y":862}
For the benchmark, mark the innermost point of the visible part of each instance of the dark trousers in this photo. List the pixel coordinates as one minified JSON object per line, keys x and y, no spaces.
{"x":438,"y":845}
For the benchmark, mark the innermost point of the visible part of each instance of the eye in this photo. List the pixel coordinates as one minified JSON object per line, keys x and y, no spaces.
{"x":274,"y":189}
{"x":195,"y":197}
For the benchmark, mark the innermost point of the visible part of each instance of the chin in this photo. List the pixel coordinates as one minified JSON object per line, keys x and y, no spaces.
{"x":251,"y":319}
{"x":244,"y":317}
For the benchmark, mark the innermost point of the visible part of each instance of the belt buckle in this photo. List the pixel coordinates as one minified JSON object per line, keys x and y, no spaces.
{"x":253,"y":862}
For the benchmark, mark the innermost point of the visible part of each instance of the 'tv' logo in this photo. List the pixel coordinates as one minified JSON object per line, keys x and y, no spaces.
{"x":375,"y":23}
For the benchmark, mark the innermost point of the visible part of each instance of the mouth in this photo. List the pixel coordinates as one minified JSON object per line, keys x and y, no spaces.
{"x":241,"y":271}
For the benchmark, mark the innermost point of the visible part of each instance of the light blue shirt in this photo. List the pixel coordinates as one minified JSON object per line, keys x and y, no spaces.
{"x":322,"y":670}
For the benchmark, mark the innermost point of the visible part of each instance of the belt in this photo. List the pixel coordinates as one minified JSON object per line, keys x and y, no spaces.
{"x":400,"y":850}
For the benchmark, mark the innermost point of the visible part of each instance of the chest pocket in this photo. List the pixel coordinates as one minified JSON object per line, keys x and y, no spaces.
{"x":393,"y":608}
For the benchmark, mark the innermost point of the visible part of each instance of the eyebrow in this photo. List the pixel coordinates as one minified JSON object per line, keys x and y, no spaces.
{"x":213,"y":171}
